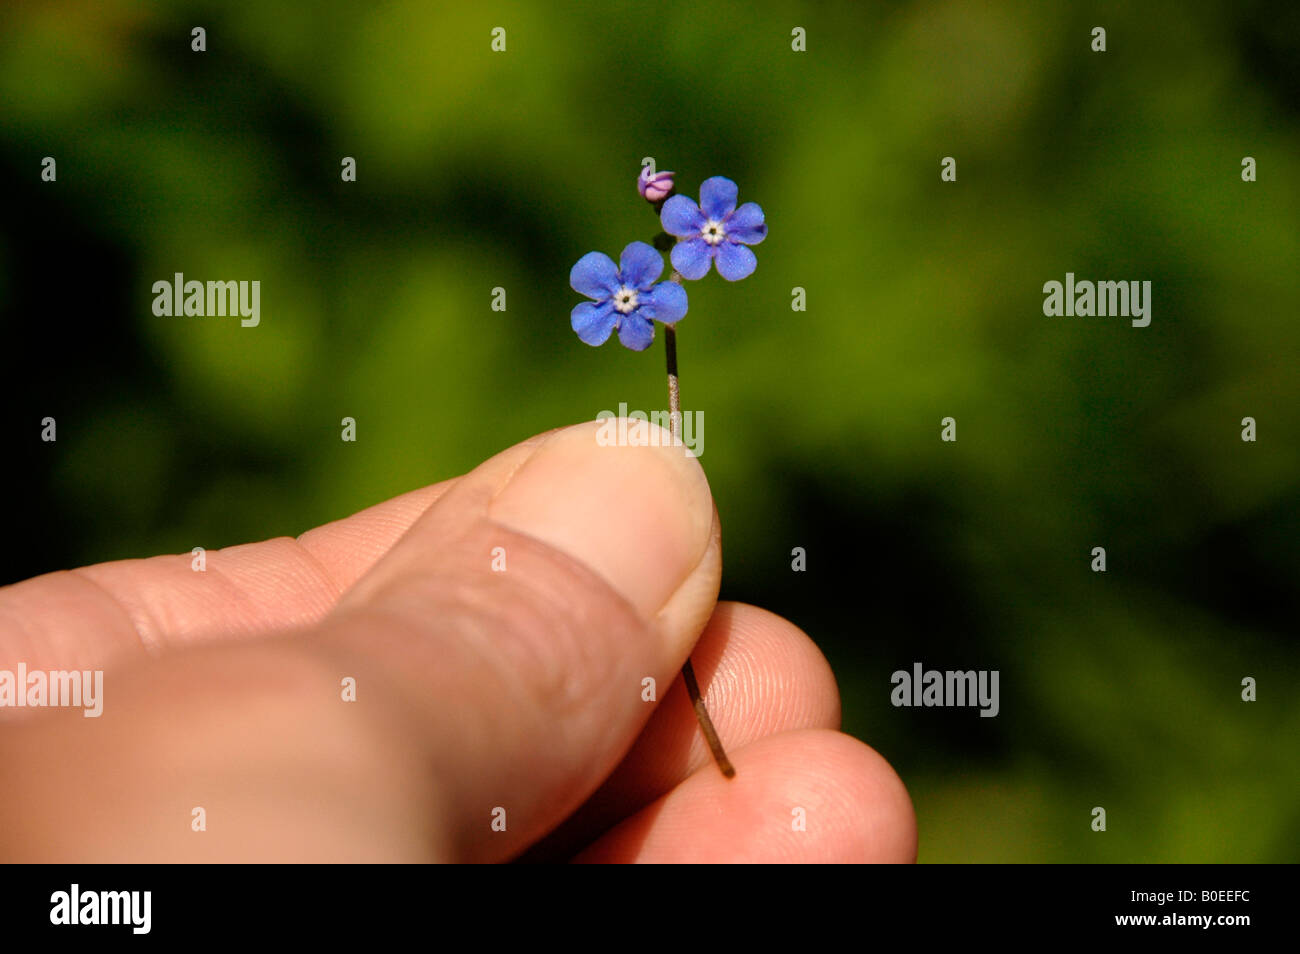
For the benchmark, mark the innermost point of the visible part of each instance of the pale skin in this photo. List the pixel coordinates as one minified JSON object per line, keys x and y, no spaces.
{"x":476,"y":689}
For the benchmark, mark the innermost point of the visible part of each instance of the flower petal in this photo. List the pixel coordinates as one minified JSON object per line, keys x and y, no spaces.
{"x":595,"y":276}
{"x":639,"y":265}
{"x":745,"y":225}
{"x":665,"y":302}
{"x":692,"y":257}
{"x":593,"y":322}
{"x":735,"y":261}
{"x":718,"y":197}
{"x":681,"y":217}
{"x":635,"y":332}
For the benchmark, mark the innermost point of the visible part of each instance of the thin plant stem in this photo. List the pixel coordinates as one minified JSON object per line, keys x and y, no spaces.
{"x":688,"y":671}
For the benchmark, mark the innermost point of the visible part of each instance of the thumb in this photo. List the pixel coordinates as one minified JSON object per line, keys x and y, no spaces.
{"x":522,"y":612}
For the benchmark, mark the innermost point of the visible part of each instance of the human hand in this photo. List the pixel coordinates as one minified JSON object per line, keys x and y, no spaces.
{"x":476,"y":689}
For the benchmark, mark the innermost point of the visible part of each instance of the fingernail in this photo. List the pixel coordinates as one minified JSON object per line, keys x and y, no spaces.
{"x":640,"y":516}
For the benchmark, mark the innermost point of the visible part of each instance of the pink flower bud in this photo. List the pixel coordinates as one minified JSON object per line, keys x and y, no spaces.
{"x":654,"y":188}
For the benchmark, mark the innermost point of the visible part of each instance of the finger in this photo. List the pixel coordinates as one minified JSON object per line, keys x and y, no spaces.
{"x":760,"y":675}
{"x":89,"y":617}
{"x":811,"y":796}
{"x":521,"y":614}
{"x":229,"y":752}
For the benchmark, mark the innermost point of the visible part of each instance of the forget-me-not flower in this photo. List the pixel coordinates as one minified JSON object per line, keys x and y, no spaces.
{"x":626,"y":297}
{"x":714,"y":231}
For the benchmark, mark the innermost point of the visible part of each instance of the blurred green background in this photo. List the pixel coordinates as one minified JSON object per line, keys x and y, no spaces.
{"x":478,"y":169}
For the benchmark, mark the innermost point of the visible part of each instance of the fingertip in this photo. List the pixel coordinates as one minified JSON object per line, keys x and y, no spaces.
{"x":809,"y":796}
{"x":639,"y":513}
{"x":770,"y":675}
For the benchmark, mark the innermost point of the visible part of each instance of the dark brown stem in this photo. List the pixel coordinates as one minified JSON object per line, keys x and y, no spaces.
{"x":674,"y":388}
{"x":688,"y":671}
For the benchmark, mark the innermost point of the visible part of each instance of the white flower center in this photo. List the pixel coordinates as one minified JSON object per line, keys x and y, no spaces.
{"x":713,"y":233}
{"x":625,"y":300}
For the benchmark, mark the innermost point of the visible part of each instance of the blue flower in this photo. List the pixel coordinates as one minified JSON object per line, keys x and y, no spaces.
{"x":714,"y":231}
{"x":626,"y":297}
